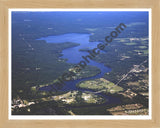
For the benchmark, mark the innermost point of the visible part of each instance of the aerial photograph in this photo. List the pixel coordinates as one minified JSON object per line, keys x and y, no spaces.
{"x":69,"y":62}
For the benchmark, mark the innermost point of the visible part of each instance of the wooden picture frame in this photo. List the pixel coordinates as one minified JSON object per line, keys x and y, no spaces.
{"x":5,"y":5}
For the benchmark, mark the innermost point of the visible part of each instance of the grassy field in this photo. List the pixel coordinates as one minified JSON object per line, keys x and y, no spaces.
{"x":142,"y":47}
{"x":145,"y":52}
{"x":130,"y":43}
{"x":100,"y":84}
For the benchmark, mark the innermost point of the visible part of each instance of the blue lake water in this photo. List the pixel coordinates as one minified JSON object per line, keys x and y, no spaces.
{"x":74,"y":56}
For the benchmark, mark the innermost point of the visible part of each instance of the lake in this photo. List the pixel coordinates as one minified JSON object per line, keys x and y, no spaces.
{"x":74,"y":56}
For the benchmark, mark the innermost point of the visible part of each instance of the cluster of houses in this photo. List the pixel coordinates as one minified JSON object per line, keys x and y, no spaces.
{"x":18,"y":103}
{"x":133,"y":39}
{"x":70,"y":97}
{"x":138,"y":68}
{"x":67,"y":98}
{"x":128,"y":93}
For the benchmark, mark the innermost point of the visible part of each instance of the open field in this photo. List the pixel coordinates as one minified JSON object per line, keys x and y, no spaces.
{"x":100,"y":84}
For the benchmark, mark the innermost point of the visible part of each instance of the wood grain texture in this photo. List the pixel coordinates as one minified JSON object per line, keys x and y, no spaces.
{"x":6,"y":4}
